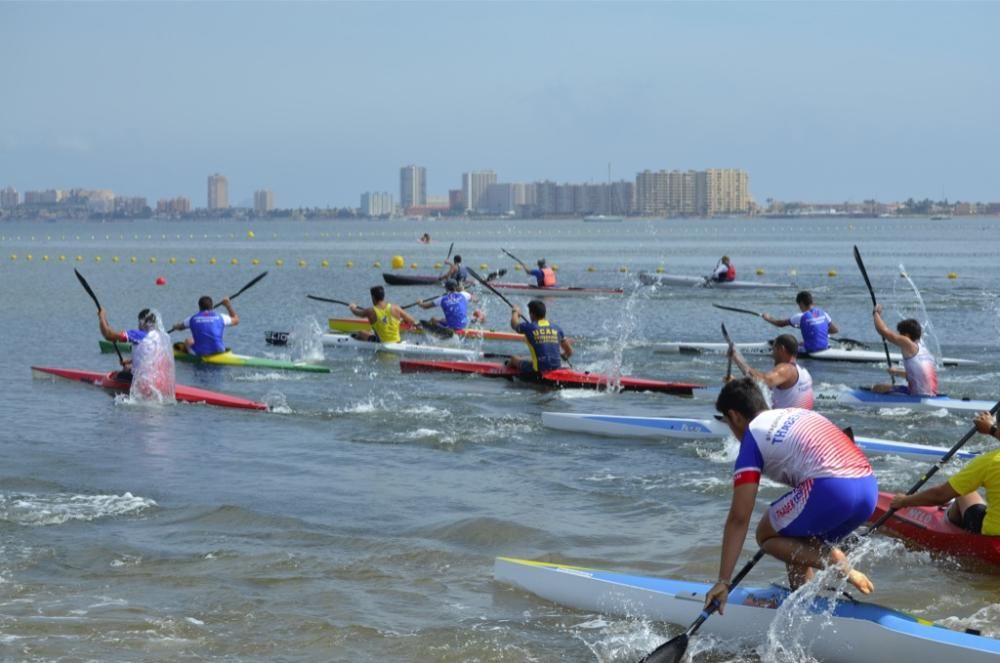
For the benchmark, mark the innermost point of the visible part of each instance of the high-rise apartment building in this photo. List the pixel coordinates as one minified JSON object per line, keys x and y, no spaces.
{"x":218,"y":192}
{"x":706,"y":192}
{"x":474,"y":185}
{"x":263,"y":201}
{"x":725,"y":191}
{"x":412,"y":186}
{"x":9,"y":198}
{"x":377,"y":204}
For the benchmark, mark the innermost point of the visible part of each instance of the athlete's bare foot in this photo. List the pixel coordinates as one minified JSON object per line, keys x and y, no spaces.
{"x":861,"y":581}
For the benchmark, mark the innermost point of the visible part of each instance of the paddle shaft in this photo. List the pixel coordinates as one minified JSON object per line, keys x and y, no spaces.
{"x":729,"y":366}
{"x":446,"y":259}
{"x":871,"y":291}
{"x":517,"y":260}
{"x":328,"y":300}
{"x":738,"y":310}
{"x":86,"y":286}
{"x":239,"y":292}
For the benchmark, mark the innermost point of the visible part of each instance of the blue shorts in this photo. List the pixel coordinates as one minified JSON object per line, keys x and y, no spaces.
{"x":828,"y":508}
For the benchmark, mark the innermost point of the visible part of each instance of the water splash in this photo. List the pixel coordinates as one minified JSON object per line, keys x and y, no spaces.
{"x":153,"y":365}
{"x":928,"y":336}
{"x":306,"y":340}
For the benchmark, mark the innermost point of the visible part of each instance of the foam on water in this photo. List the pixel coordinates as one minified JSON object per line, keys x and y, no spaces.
{"x":55,"y":509}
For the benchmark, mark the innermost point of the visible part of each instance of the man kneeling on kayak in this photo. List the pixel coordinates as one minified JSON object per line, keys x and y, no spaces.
{"x":968,"y":510}
{"x":548,"y":345}
{"x":833,"y":488}
{"x":383,"y":317}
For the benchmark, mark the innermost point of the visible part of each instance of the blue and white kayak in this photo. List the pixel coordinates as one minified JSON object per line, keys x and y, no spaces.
{"x":611,"y":425}
{"x":844,"y":352}
{"x":863,"y":397}
{"x":652,"y":278}
{"x":844,"y":630}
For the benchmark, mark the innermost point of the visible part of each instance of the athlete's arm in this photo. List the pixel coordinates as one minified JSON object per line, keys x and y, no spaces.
{"x":368,"y":313}
{"x":515,"y":317}
{"x":833,"y":328}
{"x":235,"y":319}
{"x":567,"y":347}
{"x":908,"y":347}
{"x":930,"y":497}
{"x":403,"y":315}
{"x":423,"y":304}
{"x":775,"y":321}
{"x":783,"y":375}
{"x":733,"y":536}
{"x":106,"y":331}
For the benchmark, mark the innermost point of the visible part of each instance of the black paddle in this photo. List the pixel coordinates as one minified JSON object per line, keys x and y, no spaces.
{"x":738,"y":310}
{"x":343,"y":303}
{"x":86,"y":286}
{"x":840,"y":339}
{"x":871,"y":291}
{"x":447,"y":258}
{"x":673,"y":650}
{"x":732,"y":350}
{"x":517,"y":260}
{"x":249,"y":285}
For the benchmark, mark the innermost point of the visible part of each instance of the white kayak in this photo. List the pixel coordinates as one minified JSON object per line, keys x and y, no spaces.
{"x":848,"y":353}
{"x":347,"y":341}
{"x":651,"y":278}
{"x":863,"y":397}
{"x":613,"y":425}
{"x":843,"y":630}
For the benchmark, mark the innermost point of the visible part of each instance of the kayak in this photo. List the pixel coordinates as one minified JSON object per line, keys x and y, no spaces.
{"x":649,"y":278}
{"x":228,"y":358}
{"x":349,"y":325}
{"x":844,"y":630}
{"x":401,"y":279}
{"x":557,"y":291}
{"x":563,"y":377}
{"x":695,"y":429}
{"x":848,"y":353}
{"x":865,"y":397}
{"x":403,"y":347}
{"x":182,"y":393}
{"x":930,"y":527}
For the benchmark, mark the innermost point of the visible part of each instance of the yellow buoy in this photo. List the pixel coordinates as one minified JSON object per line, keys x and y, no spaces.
{"x":832,"y":273}
{"x":172,"y":260}
{"x":518,"y":268}
{"x":302,"y":263}
{"x":349,"y":264}
{"x":13,"y":256}
{"x":212,"y":261}
{"x":623,"y":268}
{"x":590,"y":268}
{"x":192,"y":261}
{"x":324,"y":264}
{"x":759,"y":272}
{"x":114,"y":259}
{"x":660,"y":269}
{"x":45,"y":258}
{"x":28,"y":257}
{"x":79,"y":258}
{"x":133,"y":260}
{"x":438,"y":265}
{"x":398,"y":262}
{"x":250,"y":234}
{"x":413,"y":265}
{"x":97,"y":258}
{"x":279,"y":262}
{"x":483,"y":266}
{"x":62,"y":258}
{"x":952,"y":275}
{"x":255,"y":261}
{"x":152,"y":259}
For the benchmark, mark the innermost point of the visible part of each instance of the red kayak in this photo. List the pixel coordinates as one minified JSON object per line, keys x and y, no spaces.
{"x":111,"y":382}
{"x":563,"y":377}
{"x":929,"y":526}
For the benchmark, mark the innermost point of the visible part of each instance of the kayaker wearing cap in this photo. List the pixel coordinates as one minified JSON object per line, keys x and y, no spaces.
{"x":833,"y":488}
{"x":968,"y":510}
{"x":548,"y":345}
{"x":725,"y":271}
{"x":457,"y":270}
{"x":791,"y":385}
{"x":207,"y":327}
{"x":545,"y":276}
{"x":384,"y":318}
{"x":147,"y":322}
{"x":918,"y":362}
{"x":454,"y":303}
{"x":815,"y":323}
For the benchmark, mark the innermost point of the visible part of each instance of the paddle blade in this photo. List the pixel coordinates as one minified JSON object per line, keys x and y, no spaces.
{"x":671,"y":651}
{"x":86,"y":286}
{"x":248,"y":285}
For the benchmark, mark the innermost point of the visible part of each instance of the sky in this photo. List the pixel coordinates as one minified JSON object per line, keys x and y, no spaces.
{"x":322,"y":101}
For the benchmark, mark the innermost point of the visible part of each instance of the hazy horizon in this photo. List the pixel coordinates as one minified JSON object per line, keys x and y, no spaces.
{"x":320,"y":102}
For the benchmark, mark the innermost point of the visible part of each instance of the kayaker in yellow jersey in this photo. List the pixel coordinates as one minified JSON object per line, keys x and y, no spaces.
{"x":384,"y":318}
{"x":547,"y":342}
{"x":968,"y":510}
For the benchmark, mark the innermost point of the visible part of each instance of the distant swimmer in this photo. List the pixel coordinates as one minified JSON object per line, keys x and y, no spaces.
{"x":546,"y":341}
{"x":791,"y":385}
{"x":383,"y":317}
{"x":725,"y":271}
{"x":918,"y":362}
{"x":545,"y":276}
{"x":814,"y":323}
{"x":425,"y":239}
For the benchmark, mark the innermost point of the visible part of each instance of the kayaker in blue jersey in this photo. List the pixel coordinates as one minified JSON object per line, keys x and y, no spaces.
{"x":918,"y":362}
{"x":548,"y":345}
{"x":724,"y":272}
{"x":544,"y":276}
{"x":207,"y":327}
{"x":833,"y":488}
{"x":814,"y":323}
{"x":147,"y":322}
{"x":457,"y":270}
{"x":454,"y":303}
{"x":383,"y":317}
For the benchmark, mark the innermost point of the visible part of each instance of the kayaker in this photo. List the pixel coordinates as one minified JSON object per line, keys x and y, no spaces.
{"x":457,"y":270}
{"x":968,"y":509}
{"x":833,"y":488}
{"x":546,"y":341}
{"x":725,"y":271}
{"x":147,"y":321}
{"x":791,"y":385}
{"x":918,"y":362}
{"x":454,"y":303}
{"x":814,"y":323}
{"x":151,"y":366}
{"x":545,"y":276}
{"x":384,"y":318}
{"x":425,"y":238}
{"x":207,"y":327}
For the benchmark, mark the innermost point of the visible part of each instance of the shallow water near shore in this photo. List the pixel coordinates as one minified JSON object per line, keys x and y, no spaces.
{"x":360,"y":518}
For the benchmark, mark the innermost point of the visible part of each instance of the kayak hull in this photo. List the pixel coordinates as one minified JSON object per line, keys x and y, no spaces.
{"x":843,"y":353}
{"x":350,"y":325}
{"x":228,"y":359}
{"x":563,"y":378}
{"x":556,"y":291}
{"x":402,"y":279}
{"x":929,"y":526}
{"x":183,"y":393}
{"x":649,"y":278}
{"x":866,"y":398}
{"x":348,"y":342}
{"x":848,"y":631}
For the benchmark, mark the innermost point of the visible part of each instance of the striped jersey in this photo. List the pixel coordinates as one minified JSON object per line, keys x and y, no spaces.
{"x":793,"y":445}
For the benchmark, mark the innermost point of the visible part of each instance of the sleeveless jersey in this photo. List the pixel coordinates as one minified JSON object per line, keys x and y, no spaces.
{"x":798,"y":395}
{"x":386,"y":325}
{"x":206,"y":329}
{"x":792,"y":445}
{"x":921,"y":373}
{"x":543,"y":341}
{"x":546,"y":278}
{"x":815,"y":326}
{"x":456,"y":308}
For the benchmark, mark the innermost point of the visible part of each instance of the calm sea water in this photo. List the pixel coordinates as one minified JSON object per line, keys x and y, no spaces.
{"x":360,"y":519}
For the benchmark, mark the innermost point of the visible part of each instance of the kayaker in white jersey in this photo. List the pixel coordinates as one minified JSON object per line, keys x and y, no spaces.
{"x":791,"y":385}
{"x":918,"y":362}
{"x":833,"y":489}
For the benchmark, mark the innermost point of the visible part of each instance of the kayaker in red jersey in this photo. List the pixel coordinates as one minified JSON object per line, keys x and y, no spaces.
{"x":548,"y":345}
{"x":725,"y":271}
{"x":968,"y":509}
{"x":791,"y":385}
{"x":833,"y":488}
{"x":383,"y":317}
{"x":544,"y":276}
{"x":918,"y":362}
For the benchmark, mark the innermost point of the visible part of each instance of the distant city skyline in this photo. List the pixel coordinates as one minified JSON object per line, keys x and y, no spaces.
{"x":320,"y":102}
